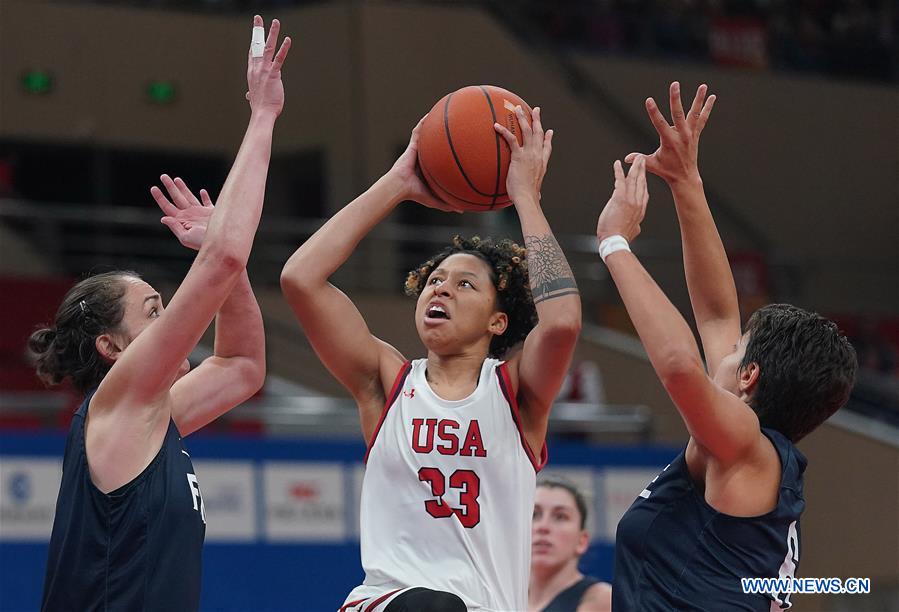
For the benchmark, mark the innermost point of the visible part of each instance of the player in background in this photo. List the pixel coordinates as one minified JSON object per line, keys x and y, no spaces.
{"x":558,"y":542}
{"x":455,"y":439}
{"x":130,"y":522}
{"x":729,"y":505}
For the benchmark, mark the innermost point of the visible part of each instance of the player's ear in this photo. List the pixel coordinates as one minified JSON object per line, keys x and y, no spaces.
{"x":108,"y":347}
{"x":583,"y":543}
{"x":748,"y":378}
{"x":499,"y":323}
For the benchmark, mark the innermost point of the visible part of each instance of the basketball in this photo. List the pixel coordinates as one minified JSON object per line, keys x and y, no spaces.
{"x":462,"y":157}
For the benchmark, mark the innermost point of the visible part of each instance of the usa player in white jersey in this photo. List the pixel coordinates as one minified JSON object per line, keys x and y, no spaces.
{"x":455,"y":439}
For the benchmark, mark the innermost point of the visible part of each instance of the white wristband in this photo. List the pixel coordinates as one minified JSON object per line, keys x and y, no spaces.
{"x":610,"y":244}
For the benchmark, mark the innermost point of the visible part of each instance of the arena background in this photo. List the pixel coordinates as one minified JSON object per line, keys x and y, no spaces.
{"x":800,"y":161}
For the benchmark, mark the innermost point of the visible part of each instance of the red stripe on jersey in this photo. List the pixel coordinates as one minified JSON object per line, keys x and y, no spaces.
{"x":505,"y":386}
{"x":394,"y":393}
{"x":349,"y":605}
{"x":375,"y":603}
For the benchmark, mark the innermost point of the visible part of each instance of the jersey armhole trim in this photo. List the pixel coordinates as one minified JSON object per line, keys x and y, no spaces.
{"x":505,"y":386}
{"x":126,"y":488}
{"x":350,"y":604}
{"x":391,"y":398}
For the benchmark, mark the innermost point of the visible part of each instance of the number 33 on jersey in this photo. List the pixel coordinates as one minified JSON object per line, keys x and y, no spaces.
{"x":450,"y":479}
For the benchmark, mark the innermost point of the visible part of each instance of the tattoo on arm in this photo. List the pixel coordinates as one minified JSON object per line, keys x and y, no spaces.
{"x":548,"y":269}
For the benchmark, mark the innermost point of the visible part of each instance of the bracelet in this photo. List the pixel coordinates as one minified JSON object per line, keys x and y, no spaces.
{"x":610,"y":244}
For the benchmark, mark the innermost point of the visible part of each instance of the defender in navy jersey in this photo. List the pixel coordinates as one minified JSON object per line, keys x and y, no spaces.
{"x":454,"y":439}
{"x":130,"y":518}
{"x":674,"y":551}
{"x":151,"y":527}
{"x":728,"y":507}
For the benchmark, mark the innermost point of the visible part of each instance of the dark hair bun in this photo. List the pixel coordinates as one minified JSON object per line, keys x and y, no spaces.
{"x":41,"y":340}
{"x":67,"y":348}
{"x":44,"y":354}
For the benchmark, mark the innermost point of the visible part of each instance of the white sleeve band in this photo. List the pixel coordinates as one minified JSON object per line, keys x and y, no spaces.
{"x":257,"y":45}
{"x":610,"y":244}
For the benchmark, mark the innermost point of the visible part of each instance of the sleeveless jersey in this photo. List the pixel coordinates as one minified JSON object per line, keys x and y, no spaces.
{"x":569,"y":599}
{"x":675,"y":552}
{"x":448,"y":493}
{"x":137,"y":548}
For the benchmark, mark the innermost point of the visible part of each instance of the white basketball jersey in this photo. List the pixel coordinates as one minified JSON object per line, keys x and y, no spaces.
{"x":448,"y":494}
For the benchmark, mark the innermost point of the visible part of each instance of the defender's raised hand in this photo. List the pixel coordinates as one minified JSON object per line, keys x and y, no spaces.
{"x":184,"y":214}
{"x":530,"y":159}
{"x":676,"y":158}
{"x":624,"y":211}
{"x":265,"y":90}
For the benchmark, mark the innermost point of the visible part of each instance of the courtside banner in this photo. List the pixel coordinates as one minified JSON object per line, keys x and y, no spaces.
{"x":28,"y":490}
{"x":228,"y":489}
{"x":304,"y":502}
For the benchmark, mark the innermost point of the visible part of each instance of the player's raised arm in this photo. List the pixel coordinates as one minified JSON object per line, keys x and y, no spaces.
{"x":547,"y":350}
{"x":362,"y":363}
{"x":236,"y":369}
{"x":709,"y":279}
{"x":718,"y":420}
{"x":150,"y":366}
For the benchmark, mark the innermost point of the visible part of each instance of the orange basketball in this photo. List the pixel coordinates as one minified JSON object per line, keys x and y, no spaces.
{"x":462,"y":157}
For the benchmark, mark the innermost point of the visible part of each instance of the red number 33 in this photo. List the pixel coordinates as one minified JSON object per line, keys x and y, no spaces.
{"x":467,"y":482}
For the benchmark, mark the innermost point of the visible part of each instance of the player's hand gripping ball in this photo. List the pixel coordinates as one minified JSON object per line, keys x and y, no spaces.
{"x":461,"y":156}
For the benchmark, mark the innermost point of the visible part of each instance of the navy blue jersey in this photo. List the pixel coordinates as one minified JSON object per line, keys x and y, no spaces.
{"x":675,"y":552}
{"x":569,"y":599}
{"x":137,"y":548}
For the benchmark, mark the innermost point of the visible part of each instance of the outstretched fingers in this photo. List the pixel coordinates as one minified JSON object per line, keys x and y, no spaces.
{"x":174,"y":191}
{"x":254,"y":53}
{"x":630,"y":157}
{"x":705,"y":112}
{"x":651,"y":161}
{"x":639,"y":165}
{"x":271,"y":41}
{"x":186,"y":194}
{"x":618,"y":170}
{"x":640,"y":189}
{"x":676,"y":106}
{"x":167,"y":208}
{"x":698,"y":99}
{"x":657,"y":119}
{"x":630,"y":183}
{"x":281,"y":55}
{"x":262,"y":54}
{"x":206,"y":199}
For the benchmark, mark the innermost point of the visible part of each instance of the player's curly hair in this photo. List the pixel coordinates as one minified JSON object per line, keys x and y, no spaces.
{"x":508,"y":266}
